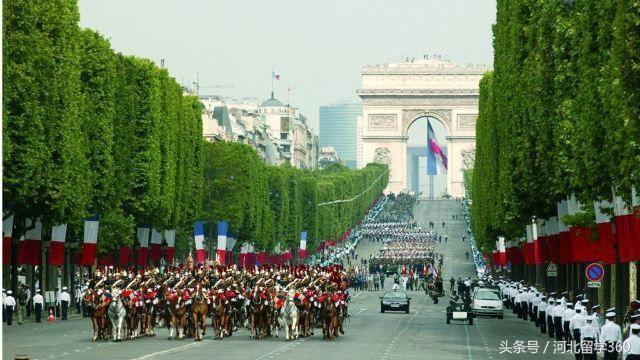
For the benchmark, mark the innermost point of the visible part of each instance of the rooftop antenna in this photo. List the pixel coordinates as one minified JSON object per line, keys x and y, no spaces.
{"x":162,"y":63}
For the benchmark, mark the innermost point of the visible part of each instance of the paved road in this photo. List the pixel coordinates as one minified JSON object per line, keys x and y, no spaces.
{"x":370,"y":335}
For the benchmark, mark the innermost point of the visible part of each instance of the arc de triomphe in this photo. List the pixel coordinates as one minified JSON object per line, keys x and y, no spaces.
{"x":394,"y":96}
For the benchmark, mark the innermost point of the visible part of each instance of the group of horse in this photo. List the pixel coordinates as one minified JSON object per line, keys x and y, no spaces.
{"x":124,"y":314}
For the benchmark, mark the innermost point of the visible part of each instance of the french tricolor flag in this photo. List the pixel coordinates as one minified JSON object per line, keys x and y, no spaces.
{"x":7,"y":232}
{"x":170,"y":237}
{"x":90,"y":242}
{"x":436,"y":158}
{"x":143,"y":241}
{"x":198,"y":235}
{"x":30,"y":245}
{"x":56,"y":253}
{"x":223,"y":230}
{"x":156,"y":244}
{"x":303,"y":245}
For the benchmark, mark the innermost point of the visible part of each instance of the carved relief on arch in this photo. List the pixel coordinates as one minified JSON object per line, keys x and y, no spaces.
{"x":410,"y":115}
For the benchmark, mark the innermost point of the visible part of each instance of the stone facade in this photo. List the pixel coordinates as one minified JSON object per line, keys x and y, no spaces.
{"x":394,"y":96}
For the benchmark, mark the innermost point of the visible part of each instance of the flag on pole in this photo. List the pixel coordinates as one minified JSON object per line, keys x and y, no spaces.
{"x":275,"y":75}
{"x":7,"y":232}
{"x":156,"y":244}
{"x":90,"y":241}
{"x":56,"y":252}
{"x":290,"y":90}
{"x":198,"y":237}
{"x":143,"y":241}
{"x":170,"y":237}
{"x":223,"y":230}
{"x":436,"y":158}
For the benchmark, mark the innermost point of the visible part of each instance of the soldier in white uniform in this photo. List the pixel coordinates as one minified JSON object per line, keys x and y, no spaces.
{"x":558,"y":311}
{"x":575,"y":324}
{"x":38,"y":304}
{"x":549,"y":313}
{"x":9,"y":306}
{"x":589,"y":336}
{"x":610,"y":336}
{"x":631,"y":346}
{"x":566,"y":318}
{"x":65,"y":300}
{"x":541,"y":316}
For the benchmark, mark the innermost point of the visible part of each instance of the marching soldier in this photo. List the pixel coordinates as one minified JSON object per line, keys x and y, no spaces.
{"x":558,"y":311}
{"x":611,"y":336}
{"x":575,"y":324}
{"x":541,"y":316}
{"x":566,"y":318}
{"x":589,"y":336}
{"x":549,"y":313}
{"x":631,"y":346}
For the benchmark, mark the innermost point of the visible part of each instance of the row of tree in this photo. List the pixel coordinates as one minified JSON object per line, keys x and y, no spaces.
{"x":268,"y":205}
{"x":559,"y":114}
{"x":90,"y":131}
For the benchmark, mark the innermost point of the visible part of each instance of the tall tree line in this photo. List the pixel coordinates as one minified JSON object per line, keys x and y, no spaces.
{"x":559,"y":115}
{"x":269,"y":205}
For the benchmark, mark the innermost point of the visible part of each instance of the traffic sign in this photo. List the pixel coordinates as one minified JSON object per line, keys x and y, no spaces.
{"x":594,"y":284}
{"x":594,"y":272}
{"x":552,"y":270}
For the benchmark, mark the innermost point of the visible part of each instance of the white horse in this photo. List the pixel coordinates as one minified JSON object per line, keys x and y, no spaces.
{"x":117,"y":313}
{"x":289,"y":315}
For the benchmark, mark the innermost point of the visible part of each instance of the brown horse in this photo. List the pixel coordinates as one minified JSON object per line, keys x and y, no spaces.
{"x":178,"y":311}
{"x":257,"y":316}
{"x":149,"y":318}
{"x":219,"y":316}
{"x":305,"y":317}
{"x":98,"y":310}
{"x":329,"y":319}
{"x":199,"y":309}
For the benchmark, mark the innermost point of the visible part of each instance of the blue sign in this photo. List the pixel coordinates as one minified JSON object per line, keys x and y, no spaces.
{"x":595,"y":272}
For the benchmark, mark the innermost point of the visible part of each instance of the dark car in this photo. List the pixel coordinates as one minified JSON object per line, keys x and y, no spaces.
{"x":395,"y":301}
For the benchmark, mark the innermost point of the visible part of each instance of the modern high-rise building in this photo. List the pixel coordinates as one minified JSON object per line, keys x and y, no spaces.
{"x":338,"y":128}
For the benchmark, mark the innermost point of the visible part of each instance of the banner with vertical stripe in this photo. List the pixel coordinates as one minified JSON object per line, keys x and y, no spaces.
{"x":198,"y":235}
{"x":90,"y":240}
{"x":7,"y":232}
{"x":30,"y":246}
{"x":156,"y":245}
{"x":143,"y":241}
{"x":303,"y":245}
{"x":223,"y":230}
{"x":56,"y":252}
{"x":170,"y":238}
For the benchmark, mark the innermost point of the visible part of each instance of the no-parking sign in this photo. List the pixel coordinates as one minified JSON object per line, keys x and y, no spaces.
{"x":594,"y":273}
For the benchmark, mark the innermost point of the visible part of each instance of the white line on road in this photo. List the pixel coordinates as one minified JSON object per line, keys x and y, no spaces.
{"x":360,"y":311}
{"x":169,"y":351}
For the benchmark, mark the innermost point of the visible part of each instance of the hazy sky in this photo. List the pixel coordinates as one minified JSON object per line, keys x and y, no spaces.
{"x":318,"y":47}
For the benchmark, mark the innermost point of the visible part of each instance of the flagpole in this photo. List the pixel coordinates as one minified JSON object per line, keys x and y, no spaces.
{"x":272,"y":83}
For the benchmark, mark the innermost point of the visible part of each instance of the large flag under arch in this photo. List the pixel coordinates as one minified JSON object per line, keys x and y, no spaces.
{"x":436,"y":158}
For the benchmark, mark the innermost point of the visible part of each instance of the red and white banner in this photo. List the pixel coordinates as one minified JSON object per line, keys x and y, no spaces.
{"x":170,"y":238}
{"x":7,"y":232}
{"x":231,"y":242}
{"x":198,"y":236}
{"x":56,"y":251}
{"x":628,"y":235}
{"x":564,"y":240}
{"x":223,"y":230}
{"x":124,"y":258}
{"x":606,"y":239}
{"x":156,"y":245}
{"x":143,"y":249}
{"x":90,"y":242}
{"x":303,"y":245}
{"x":30,"y":246}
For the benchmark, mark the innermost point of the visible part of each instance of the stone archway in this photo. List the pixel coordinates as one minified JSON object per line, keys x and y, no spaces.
{"x":394,"y":96}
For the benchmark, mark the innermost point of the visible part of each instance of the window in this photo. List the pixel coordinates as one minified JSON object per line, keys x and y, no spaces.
{"x":284,"y":123}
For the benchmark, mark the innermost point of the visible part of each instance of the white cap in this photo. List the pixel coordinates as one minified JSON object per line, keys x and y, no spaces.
{"x":635,"y":327}
{"x":9,"y":292}
{"x":610,"y":314}
{"x":64,"y":288}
